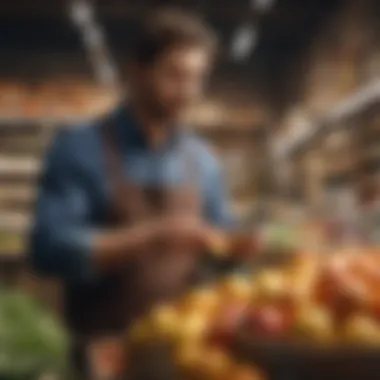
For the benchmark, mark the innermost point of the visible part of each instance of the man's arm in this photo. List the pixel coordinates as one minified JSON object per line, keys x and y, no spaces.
{"x":63,"y":242}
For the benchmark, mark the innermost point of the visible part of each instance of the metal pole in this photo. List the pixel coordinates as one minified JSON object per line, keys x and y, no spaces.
{"x":82,"y":14}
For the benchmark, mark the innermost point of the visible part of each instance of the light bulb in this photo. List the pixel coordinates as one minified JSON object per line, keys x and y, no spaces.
{"x":244,"y":42}
{"x":81,"y":12}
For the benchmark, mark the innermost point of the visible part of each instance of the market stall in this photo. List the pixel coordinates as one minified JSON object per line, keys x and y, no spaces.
{"x":305,"y":309}
{"x":315,"y":317}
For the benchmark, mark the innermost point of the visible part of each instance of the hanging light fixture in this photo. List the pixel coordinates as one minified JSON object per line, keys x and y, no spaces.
{"x":244,"y":42}
{"x":246,"y":37}
{"x":93,"y":37}
{"x":81,"y":12}
{"x":83,"y":16}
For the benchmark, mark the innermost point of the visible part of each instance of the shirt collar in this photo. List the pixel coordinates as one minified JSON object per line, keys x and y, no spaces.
{"x":132,"y":134}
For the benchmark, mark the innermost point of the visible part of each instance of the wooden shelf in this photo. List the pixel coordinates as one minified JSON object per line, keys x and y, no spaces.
{"x":14,"y":222}
{"x":230,"y":133}
{"x":18,"y":120}
{"x":21,"y":141}
{"x":19,"y":167}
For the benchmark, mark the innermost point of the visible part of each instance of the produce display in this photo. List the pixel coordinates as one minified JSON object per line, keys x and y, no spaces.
{"x":33,"y":342}
{"x":321,"y":299}
{"x":316,"y":300}
{"x":186,"y":325}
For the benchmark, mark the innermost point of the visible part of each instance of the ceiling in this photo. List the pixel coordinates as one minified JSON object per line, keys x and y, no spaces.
{"x":44,"y":26}
{"x":40,"y":39}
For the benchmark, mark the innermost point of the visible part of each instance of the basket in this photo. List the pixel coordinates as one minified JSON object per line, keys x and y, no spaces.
{"x":154,"y":361}
{"x":303,"y":361}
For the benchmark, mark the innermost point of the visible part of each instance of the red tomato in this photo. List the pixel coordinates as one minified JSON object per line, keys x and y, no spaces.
{"x":227,"y":321}
{"x":269,"y":321}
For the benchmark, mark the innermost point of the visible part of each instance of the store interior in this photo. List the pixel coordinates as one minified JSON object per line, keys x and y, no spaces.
{"x":292,"y":111}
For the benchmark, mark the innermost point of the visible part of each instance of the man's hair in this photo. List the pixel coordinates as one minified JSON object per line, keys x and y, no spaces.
{"x":164,"y":30}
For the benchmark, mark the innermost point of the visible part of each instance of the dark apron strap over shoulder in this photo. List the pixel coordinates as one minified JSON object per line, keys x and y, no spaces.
{"x":127,"y":201}
{"x":109,"y":306}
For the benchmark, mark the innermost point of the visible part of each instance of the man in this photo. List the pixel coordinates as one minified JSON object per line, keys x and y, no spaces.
{"x":114,"y":220}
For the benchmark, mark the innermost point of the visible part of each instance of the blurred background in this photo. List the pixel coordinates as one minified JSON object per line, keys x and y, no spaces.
{"x":292,"y":109}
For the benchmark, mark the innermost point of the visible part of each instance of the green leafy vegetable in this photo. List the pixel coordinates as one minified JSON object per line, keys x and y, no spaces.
{"x":31,"y":340}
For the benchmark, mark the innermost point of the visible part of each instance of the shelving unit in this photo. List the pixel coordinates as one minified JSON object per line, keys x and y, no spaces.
{"x":22,"y":144}
{"x":358,"y":102}
{"x":341,"y":164}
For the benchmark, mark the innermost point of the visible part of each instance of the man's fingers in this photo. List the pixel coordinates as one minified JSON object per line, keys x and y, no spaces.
{"x":218,"y":243}
{"x":177,"y":227}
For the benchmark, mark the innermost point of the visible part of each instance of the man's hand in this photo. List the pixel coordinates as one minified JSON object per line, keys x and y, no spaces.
{"x":244,"y":245}
{"x":113,"y":248}
{"x":179,"y":229}
{"x":191,"y":230}
{"x":232,"y":245}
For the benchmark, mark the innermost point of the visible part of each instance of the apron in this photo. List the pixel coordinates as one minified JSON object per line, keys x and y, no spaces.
{"x":154,"y":274}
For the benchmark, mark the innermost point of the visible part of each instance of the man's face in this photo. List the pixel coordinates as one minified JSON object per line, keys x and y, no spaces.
{"x":172,"y":83}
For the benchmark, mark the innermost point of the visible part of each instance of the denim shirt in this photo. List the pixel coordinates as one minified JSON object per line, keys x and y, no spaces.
{"x":73,"y":194}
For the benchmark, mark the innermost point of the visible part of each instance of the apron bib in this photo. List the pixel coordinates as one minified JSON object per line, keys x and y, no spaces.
{"x":154,"y":274}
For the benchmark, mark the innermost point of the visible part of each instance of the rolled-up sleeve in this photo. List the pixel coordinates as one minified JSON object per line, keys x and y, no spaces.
{"x":61,"y":241}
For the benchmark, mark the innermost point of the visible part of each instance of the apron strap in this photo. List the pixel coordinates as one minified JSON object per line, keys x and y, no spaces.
{"x":192,"y":173}
{"x":127,"y":201}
